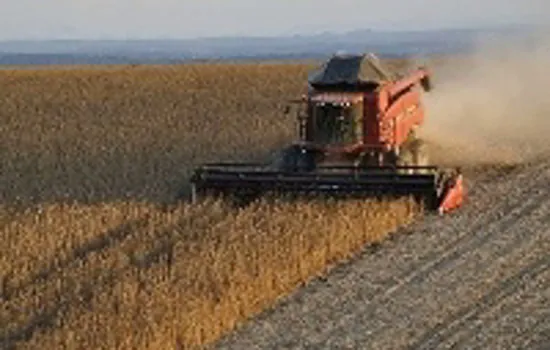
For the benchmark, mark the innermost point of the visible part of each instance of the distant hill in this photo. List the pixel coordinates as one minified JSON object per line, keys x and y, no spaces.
{"x":385,"y":43}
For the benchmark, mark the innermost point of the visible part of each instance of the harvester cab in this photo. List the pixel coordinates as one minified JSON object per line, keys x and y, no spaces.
{"x":333,"y":120}
{"x":357,"y":138}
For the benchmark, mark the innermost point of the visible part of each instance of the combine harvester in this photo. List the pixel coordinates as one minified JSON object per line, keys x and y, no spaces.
{"x":357,"y":138}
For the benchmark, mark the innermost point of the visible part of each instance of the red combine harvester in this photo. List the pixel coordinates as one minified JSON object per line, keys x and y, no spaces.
{"x":357,"y":138}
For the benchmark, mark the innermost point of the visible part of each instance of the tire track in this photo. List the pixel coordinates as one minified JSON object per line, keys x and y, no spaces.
{"x":540,"y":330}
{"x":374,"y":300}
{"x":440,"y":257}
{"x":452,"y":253}
{"x":466,"y":243}
{"x":438,"y":335}
{"x":506,"y":251}
{"x":500,"y":317}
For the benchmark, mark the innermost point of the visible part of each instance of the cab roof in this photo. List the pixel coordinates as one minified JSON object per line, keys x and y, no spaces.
{"x":350,"y":69}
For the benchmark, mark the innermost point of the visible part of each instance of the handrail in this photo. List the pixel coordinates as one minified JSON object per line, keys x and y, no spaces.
{"x":225,"y":166}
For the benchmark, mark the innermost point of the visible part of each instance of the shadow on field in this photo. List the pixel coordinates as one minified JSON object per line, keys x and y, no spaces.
{"x":92,"y":284}
{"x":108,"y":239}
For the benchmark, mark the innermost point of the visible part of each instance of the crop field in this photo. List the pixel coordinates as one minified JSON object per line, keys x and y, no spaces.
{"x":100,"y":248}
{"x":95,"y":250}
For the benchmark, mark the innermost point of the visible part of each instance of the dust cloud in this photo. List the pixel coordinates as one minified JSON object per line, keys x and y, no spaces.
{"x":491,"y":106}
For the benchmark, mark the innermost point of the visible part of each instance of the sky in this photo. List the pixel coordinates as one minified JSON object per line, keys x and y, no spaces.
{"x":130,"y":19}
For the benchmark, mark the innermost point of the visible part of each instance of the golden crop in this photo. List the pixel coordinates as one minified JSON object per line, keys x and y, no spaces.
{"x":95,"y":252}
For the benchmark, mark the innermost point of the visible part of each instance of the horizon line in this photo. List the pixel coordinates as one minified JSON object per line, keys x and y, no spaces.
{"x":280,"y":36}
